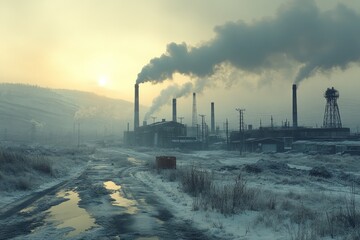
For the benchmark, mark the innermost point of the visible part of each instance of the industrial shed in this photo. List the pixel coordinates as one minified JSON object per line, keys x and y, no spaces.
{"x":264,"y":145}
{"x":159,"y":134}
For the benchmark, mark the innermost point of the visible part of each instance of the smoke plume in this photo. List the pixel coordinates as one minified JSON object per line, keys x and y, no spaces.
{"x":173,"y":91}
{"x":317,"y":41}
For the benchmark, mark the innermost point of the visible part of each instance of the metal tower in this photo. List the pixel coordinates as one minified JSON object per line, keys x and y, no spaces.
{"x":332,"y":115}
{"x":241,"y":129}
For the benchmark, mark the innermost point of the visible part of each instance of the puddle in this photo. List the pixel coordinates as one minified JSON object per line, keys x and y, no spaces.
{"x":148,"y":238}
{"x":134,"y":160}
{"x":28,"y":209}
{"x":119,"y":199}
{"x":299,"y":167}
{"x":69,"y":214}
{"x":100,"y":167}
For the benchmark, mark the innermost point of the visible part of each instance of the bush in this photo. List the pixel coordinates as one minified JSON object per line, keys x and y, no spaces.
{"x":42,"y":165}
{"x":195,"y":181}
{"x":252,"y":168}
{"x":320,"y":172}
{"x":22,"y":184}
{"x":232,"y":198}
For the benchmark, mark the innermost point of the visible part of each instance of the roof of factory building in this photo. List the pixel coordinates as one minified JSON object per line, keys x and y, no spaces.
{"x":162,"y":124}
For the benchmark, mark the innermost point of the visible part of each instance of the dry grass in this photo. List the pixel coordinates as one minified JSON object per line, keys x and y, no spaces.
{"x":229,"y":198}
{"x":19,"y":171}
{"x":300,"y":215}
{"x":195,"y":181}
{"x":342,"y":221}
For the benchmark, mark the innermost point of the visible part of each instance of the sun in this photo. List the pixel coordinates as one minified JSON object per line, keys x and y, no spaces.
{"x":102,"y":81}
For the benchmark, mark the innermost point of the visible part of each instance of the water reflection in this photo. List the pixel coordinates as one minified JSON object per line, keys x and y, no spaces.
{"x":148,"y":238}
{"x":119,"y":199}
{"x":69,"y":214}
{"x":134,"y":161}
{"x":28,"y":209}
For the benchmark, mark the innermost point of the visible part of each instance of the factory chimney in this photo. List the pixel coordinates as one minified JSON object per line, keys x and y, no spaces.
{"x":212,"y":118}
{"x":194,"y":111}
{"x":174,"y":109}
{"x":136,"y":110}
{"x":294,"y":106}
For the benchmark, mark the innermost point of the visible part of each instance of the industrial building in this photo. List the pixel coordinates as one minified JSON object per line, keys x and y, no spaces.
{"x":277,"y":139}
{"x":158,"y":134}
{"x":264,"y":139}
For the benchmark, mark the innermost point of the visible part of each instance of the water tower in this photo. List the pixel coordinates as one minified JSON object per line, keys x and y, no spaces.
{"x":332,"y":115}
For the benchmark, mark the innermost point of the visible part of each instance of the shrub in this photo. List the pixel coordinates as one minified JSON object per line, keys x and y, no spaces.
{"x":22,"y":183}
{"x":42,"y":165}
{"x":320,"y":172}
{"x":195,"y":181}
{"x":252,"y":168}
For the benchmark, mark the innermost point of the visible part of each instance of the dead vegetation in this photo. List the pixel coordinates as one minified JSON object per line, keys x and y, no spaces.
{"x":290,"y":212}
{"x":19,"y":171}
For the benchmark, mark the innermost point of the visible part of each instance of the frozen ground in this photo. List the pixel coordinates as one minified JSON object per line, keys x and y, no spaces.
{"x":119,"y":194}
{"x":288,"y":177}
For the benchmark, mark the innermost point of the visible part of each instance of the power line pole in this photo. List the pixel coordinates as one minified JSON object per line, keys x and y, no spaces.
{"x":227,"y":133}
{"x":78,"y":134}
{"x":241,"y":129}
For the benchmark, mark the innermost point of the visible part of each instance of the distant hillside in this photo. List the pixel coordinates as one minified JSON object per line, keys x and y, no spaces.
{"x":31,"y":113}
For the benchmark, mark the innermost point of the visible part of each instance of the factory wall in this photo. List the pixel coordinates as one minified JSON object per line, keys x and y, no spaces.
{"x":159,"y":134}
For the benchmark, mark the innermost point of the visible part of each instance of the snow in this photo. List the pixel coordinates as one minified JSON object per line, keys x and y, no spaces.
{"x":284,"y":175}
{"x":245,"y":225}
{"x":65,"y":167}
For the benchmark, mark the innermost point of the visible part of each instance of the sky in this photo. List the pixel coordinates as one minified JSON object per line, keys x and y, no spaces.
{"x":236,"y":53}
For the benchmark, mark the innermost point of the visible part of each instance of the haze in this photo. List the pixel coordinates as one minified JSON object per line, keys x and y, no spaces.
{"x":102,"y":46}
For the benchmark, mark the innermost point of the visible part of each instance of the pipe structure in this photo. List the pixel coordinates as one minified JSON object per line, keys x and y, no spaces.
{"x":212,"y":118}
{"x":294,"y":106}
{"x":174,"y":110}
{"x":136,"y":110}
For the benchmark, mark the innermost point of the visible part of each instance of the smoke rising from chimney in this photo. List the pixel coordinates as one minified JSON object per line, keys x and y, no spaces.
{"x":173,"y":91}
{"x":315,"y":41}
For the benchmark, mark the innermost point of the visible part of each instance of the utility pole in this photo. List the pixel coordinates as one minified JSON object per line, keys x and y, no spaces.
{"x":227,"y":133}
{"x":78,"y":134}
{"x":181,"y":118}
{"x":241,"y":129}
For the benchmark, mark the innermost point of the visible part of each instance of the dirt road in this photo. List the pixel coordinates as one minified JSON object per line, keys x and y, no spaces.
{"x":105,"y":201}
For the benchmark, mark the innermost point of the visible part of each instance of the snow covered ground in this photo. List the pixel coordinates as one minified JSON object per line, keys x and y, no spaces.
{"x":300,"y":198}
{"x":295,"y":196}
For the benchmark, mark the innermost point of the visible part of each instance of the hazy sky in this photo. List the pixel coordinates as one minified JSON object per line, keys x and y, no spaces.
{"x":102,"y":45}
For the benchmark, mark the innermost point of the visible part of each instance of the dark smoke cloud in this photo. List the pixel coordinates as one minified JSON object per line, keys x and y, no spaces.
{"x":316,"y":41}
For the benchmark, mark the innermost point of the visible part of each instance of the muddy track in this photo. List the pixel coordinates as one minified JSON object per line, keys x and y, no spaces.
{"x":140,"y":215}
{"x":16,"y":207}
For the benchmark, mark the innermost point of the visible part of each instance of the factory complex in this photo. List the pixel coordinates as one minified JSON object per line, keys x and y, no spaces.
{"x":330,"y":138}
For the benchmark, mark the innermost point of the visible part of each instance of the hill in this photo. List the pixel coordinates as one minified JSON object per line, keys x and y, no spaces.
{"x":36,"y":114}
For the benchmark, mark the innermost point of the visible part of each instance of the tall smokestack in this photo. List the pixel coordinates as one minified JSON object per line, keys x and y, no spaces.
{"x":294,"y":107}
{"x":174,"y":109}
{"x":212,"y":118}
{"x":136,"y":110}
{"x":194,"y":111}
